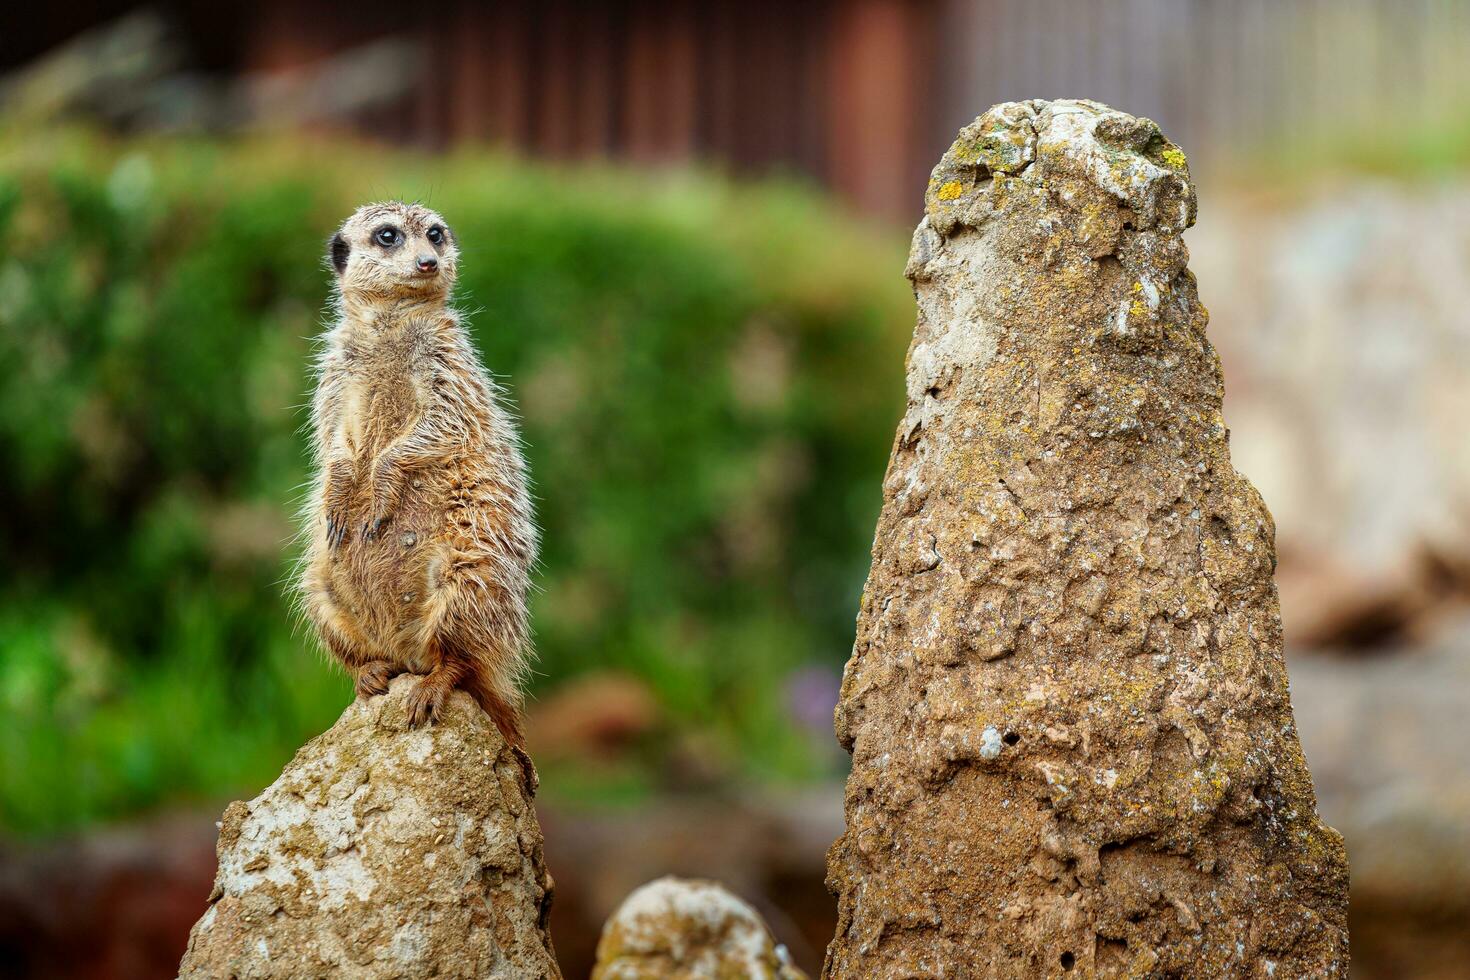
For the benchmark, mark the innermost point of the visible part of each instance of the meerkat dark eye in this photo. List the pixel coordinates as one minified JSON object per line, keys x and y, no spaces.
{"x":436,"y":235}
{"x":387,"y":237}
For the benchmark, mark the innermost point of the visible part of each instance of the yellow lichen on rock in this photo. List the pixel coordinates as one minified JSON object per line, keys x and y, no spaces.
{"x":950,"y":190}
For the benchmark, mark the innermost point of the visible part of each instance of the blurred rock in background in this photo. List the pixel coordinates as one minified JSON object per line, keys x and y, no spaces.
{"x":678,"y":928}
{"x":1388,"y":739}
{"x":597,"y":715}
{"x":1342,"y":316}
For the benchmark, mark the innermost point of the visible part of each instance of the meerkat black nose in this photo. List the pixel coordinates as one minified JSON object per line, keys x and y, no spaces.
{"x":428,"y":263}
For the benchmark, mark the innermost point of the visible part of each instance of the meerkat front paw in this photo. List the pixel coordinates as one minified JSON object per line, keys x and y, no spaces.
{"x":387,"y":489}
{"x":336,"y":528}
{"x":373,"y":525}
{"x":426,"y":702}
{"x":338,"y":496}
{"x":373,"y":677}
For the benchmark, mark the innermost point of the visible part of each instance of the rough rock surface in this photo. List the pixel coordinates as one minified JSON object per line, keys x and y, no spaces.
{"x":682,"y":929}
{"x":1073,"y":747}
{"x":383,"y":852}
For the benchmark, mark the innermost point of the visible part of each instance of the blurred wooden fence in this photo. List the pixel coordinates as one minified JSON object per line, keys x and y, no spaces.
{"x":1223,"y":77}
{"x":863,"y":95}
{"x":838,"y":89}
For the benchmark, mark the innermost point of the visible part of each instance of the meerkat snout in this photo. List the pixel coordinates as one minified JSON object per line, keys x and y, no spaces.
{"x":428,"y":263}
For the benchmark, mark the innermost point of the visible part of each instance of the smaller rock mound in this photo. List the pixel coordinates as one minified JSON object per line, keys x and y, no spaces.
{"x":383,"y":851}
{"x":681,"y":928}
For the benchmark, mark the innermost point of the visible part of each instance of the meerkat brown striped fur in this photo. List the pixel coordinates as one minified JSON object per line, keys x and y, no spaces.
{"x":419,"y":526}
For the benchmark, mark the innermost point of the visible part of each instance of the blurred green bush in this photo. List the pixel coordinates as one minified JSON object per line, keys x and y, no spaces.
{"x":709,"y":376}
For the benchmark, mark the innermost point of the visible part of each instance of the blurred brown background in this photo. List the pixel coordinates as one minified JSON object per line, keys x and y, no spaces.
{"x":1330,"y":142}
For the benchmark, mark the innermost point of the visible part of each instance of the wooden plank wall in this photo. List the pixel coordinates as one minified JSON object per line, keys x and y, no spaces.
{"x":864,"y":95}
{"x":1225,"y":78}
{"x":838,"y":90}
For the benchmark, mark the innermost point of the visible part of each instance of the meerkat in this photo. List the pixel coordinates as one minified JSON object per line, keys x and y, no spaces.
{"x":420,"y":538}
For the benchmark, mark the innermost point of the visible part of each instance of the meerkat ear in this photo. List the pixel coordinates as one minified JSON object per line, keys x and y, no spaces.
{"x":339,"y":250}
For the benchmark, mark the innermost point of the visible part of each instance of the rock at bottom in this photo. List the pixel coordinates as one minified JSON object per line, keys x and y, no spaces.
{"x":681,"y":928}
{"x":383,"y":851}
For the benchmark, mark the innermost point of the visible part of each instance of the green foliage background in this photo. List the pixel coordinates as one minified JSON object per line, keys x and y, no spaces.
{"x":709,"y":376}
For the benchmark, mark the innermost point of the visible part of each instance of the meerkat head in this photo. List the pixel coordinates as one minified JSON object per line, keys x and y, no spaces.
{"x":393,"y":251}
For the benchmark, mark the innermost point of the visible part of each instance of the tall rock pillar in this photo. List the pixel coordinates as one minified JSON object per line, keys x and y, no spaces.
{"x":1072,"y":739}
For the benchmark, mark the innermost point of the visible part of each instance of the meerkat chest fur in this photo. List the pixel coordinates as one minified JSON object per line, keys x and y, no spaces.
{"x":380,"y":569}
{"x":386,"y":375}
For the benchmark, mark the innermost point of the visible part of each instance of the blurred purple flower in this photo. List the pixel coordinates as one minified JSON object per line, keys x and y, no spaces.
{"x":811,"y":695}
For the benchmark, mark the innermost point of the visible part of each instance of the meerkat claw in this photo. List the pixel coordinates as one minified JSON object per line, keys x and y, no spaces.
{"x":373,"y":678}
{"x":425,"y":704}
{"x":336,"y":532}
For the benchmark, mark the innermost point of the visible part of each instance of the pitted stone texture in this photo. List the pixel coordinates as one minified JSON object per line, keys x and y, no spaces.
{"x":1073,"y":747}
{"x":682,"y":929}
{"x":383,"y":852}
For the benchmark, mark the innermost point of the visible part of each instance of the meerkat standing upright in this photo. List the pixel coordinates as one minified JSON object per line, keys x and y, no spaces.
{"x":420,"y":531}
